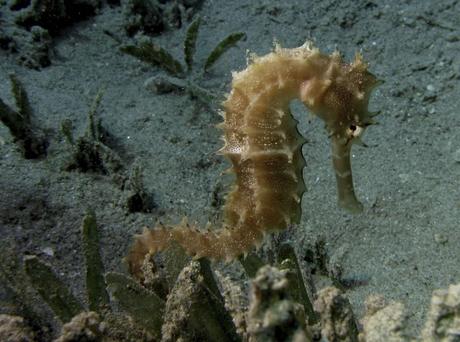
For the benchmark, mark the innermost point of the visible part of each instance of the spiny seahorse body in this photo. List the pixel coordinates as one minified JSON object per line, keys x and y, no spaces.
{"x":264,"y":148}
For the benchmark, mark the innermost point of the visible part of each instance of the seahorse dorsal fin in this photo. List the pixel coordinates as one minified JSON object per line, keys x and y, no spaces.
{"x":358,"y":63}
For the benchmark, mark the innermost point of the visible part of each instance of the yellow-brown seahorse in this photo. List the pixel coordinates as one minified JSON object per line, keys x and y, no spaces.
{"x":264,"y":148}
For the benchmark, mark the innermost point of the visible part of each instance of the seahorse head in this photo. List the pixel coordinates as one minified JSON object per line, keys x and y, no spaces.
{"x":341,"y":96}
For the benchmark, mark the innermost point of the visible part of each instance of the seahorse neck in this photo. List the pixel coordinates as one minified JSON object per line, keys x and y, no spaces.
{"x":280,"y":76}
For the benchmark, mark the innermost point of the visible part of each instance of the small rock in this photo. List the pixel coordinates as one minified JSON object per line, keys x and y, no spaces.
{"x":163,"y":84}
{"x":457,"y":156}
{"x":48,"y":251}
{"x":404,"y":177}
{"x":440,"y":239}
{"x":14,"y":328}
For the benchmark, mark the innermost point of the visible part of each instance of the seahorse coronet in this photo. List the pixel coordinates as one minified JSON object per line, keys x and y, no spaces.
{"x":263,"y":145}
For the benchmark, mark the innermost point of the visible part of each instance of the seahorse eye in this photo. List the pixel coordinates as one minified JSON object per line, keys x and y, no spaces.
{"x":355,"y":131}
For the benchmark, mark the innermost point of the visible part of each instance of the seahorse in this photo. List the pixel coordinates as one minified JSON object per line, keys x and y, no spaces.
{"x":264,"y":148}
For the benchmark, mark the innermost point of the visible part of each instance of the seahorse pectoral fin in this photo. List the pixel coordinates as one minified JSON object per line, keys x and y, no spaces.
{"x":343,"y":174}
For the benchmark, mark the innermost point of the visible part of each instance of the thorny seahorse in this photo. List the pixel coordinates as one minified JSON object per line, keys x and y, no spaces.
{"x":264,"y":148}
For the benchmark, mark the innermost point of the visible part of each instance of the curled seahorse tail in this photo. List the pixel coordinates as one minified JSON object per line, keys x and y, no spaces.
{"x":222,"y":244}
{"x":150,"y":241}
